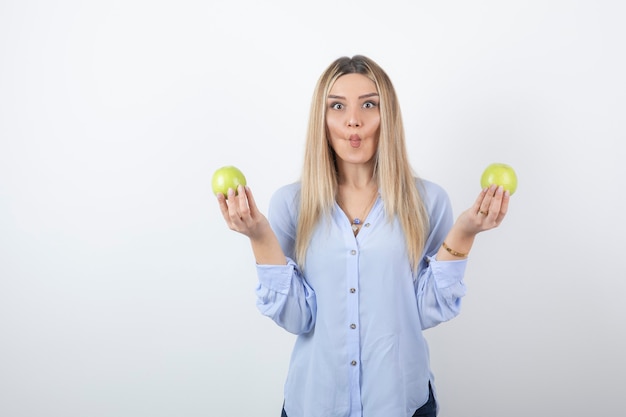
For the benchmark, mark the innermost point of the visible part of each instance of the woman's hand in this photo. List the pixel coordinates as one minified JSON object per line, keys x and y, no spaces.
{"x":242,"y":215}
{"x":241,"y":212}
{"x":486,"y":213}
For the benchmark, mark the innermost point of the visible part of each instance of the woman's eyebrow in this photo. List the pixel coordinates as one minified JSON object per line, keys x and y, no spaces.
{"x":369,"y":95}
{"x":360,"y":97}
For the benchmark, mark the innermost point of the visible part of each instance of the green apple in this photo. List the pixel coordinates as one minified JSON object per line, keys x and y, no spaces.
{"x":227,"y":177}
{"x":499,"y":174}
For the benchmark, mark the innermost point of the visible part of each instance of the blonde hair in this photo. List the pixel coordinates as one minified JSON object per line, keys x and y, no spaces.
{"x":392,"y":170}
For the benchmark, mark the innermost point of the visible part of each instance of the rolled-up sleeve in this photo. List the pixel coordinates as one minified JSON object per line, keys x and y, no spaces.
{"x":440,"y":288}
{"x":284,"y":296}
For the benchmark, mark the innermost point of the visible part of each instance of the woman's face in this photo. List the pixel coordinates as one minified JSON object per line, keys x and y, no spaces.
{"x":353,"y":118}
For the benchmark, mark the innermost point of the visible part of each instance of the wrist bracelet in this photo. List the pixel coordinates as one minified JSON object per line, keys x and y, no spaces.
{"x":453,"y":252}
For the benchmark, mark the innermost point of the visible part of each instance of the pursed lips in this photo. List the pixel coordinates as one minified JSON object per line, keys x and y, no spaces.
{"x":355,"y":141}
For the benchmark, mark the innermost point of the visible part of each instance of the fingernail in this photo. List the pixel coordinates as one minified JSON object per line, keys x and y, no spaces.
{"x":231,"y":191}
{"x":507,"y":193}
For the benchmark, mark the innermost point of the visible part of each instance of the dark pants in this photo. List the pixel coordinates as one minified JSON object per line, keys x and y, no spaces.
{"x":427,"y":410}
{"x":430,"y":408}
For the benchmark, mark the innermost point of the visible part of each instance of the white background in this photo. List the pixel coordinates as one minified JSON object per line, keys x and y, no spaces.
{"x":122,"y":292}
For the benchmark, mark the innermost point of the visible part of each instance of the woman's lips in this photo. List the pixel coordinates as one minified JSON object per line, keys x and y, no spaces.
{"x":355,"y":141}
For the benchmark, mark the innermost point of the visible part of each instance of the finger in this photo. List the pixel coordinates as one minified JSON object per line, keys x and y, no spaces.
{"x":251,"y":201}
{"x":485,"y":204}
{"x":499,"y":205}
{"x":504,"y":207}
{"x":234,"y":205}
{"x":496,"y":200}
{"x":243,"y":208}
{"x":479,"y":200}
{"x":229,"y":211}
{"x":221,"y":200}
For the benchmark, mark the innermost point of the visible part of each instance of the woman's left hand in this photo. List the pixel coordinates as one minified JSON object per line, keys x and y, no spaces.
{"x":487,"y":212}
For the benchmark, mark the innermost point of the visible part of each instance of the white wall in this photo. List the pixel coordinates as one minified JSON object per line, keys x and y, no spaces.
{"x":123,"y":294}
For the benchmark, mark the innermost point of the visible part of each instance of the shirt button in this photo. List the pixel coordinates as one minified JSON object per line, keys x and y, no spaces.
{"x":352,"y":290}
{"x":366,"y":225}
{"x":353,"y":363}
{"x":352,"y":252}
{"x":353,"y":326}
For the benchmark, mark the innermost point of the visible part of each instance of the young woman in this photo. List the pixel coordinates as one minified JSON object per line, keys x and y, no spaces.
{"x":359,"y":256}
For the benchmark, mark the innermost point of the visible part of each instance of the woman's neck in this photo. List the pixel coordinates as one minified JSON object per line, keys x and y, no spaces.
{"x":356,"y":177}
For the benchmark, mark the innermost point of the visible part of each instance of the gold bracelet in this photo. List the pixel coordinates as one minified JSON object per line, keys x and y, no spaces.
{"x":453,"y":252}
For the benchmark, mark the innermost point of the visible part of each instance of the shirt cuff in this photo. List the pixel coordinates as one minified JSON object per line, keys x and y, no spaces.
{"x":276,"y":277}
{"x":447,"y":273}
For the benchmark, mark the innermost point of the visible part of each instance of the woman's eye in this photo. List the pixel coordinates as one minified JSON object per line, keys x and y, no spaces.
{"x":369,"y":105}
{"x":336,"y":106}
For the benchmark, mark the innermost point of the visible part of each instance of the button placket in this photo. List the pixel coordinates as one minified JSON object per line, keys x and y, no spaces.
{"x":352,"y":317}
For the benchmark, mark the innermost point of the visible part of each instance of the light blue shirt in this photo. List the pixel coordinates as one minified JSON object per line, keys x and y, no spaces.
{"x":358,"y":309}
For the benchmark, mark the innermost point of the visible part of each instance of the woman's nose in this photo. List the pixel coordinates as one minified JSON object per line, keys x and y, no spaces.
{"x":353,"y":121}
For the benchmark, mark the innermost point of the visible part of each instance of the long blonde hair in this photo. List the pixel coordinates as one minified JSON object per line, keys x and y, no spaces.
{"x":392,"y":169}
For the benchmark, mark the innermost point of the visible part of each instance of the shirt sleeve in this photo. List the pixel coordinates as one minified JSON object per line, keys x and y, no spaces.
{"x":284,"y":296}
{"x":283,"y":293}
{"x":439,"y":284}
